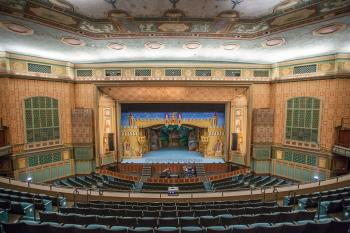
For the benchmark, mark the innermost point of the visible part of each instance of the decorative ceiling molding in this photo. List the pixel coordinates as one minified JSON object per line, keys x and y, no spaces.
{"x":16,"y":28}
{"x":192,"y":45}
{"x":273,"y":42}
{"x":230,"y":46}
{"x":154,"y":45}
{"x":329,"y":29}
{"x":71,"y":41}
{"x":228,"y":24}
{"x":116,"y":46}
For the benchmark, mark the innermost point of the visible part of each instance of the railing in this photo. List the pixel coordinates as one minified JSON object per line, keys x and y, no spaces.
{"x":118,"y":175}
{"x":228,"y":174}
{"x":265,"y":193}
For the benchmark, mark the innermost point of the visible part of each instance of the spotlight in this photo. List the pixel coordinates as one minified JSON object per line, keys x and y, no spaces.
{"x":29,"y":179}
{"x":316,"y":178}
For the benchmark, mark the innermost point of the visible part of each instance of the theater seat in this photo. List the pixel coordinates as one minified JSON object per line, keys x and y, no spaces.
{"x":116,"y":229}
{"x":141,"y":230}
{"x":166,"y":230}
{"x":192,"y":229}
{"x":242,"y":229}
{"x":218,"y":229}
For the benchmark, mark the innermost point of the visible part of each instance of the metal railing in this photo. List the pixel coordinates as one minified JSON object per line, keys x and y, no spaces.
{"x":285,"y":190}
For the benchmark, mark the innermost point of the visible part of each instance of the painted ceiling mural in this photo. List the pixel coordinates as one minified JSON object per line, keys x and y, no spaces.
{"x":84,"y":31}
{"x":243,"y":19}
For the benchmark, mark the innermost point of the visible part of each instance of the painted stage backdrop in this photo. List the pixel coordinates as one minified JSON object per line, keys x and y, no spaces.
{"x":142,"y":132}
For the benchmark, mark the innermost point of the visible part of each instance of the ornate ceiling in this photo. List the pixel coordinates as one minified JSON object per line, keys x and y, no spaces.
{"x":155,"y":8}
{"x":257,"y":31}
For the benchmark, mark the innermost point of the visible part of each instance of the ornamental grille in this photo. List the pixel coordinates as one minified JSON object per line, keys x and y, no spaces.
{"x":143,"y":72}
{"x":84,"y":73}
{"x":172,"y":72}
{"x":261,"y":73}
{"x":46,"y":158}
{"x":304,"y":69}
{"x":299,"y":157}
{"x":112,"y":73}
{"x":41,"y":119}
{"x":311,"y":160}
{"x":203,"y":73}
{"x":232,"y":73}
{"x":302,"y":119}
{"x":38,"y":68}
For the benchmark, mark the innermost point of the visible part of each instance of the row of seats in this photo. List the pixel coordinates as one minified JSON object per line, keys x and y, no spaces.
{"x":178,"y":206}
{"x":40,"y":204}
{"x":97,"y":181}
{"x":246,"y":181}
{"x":335,"y":206}
{"x":178,"y":213}
{"x":292,"y":200}
{"x":322,"y":226}
{"x":135,"y":203}
{"x":15,"y":207}
{"x":204,"y":221}
{"x":56,"y":201}
{"x":312,"y":202}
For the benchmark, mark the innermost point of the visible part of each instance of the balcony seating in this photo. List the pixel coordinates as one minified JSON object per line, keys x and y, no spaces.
{"x":97,"y":181}
{"x":292,"y":200}
{"x":322,"y":226}
{"x":204,"y":221}
{"x":56,"y":201}
{"x":246,"y":181}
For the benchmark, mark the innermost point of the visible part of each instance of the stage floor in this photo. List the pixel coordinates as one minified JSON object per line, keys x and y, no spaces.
{"x":173,"y":155}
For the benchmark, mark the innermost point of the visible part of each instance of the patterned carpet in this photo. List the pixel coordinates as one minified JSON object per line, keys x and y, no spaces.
{"x":173,"y":155}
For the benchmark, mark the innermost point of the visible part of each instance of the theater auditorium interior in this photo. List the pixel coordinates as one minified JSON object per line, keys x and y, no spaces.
{"x":174,"y":116}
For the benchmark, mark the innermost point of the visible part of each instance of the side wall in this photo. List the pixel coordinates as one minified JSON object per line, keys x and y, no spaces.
{"x":335,"y":105}
{"x":38,"y":163}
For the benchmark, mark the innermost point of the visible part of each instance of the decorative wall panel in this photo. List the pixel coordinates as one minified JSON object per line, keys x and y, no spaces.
{"x":82,"y":125}
{"x":263,"y":125}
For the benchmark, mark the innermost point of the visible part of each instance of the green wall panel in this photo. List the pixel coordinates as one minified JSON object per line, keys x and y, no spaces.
{"x":262,"y":152}
{"x":84,"y":153}
{"x":84,"y":166}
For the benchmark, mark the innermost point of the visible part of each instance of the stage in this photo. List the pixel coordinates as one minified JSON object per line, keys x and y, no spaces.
{"x":173,"y":155}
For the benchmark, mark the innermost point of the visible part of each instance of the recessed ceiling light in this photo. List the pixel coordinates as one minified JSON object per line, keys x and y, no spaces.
{"x":230,"y":46}
{"x":73,"y":41}
{"x":17,"y":28}
{"x":116,"y":46}
{"x":329,"y":29}
{"x":273,"y":42}
{"x":192,"y":45}
{"x":154,"y":45}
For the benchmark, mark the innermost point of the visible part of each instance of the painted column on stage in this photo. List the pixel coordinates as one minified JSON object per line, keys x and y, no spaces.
{"x":142,"y":132}
{"x":240,"y":113}
{"x":107,"y":130}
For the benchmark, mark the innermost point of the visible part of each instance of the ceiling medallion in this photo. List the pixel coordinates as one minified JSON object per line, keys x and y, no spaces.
{"x":117,"y":14}
{"x":273,"y":42}
{"x":192,"y":45}
{"x":116,"y":46}
{"x":154,"y":45}
{"x":17,"y":28}
{"x":230,"y":14}
{"x":329,"y":29}
{"x":230,"y":46}
{"x":73,"y":41}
